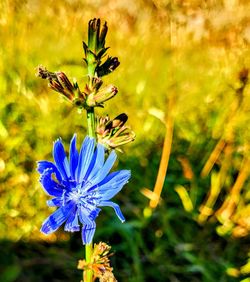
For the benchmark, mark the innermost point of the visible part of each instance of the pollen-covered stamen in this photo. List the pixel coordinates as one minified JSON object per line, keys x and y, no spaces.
{"x":75,"y":196}
{"x":79,"y":196}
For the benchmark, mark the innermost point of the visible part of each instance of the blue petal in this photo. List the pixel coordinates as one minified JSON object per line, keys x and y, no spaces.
{"x":88,"y":232}
{"x":102,"y":173}
{"x":50,"y":186}
{"x":96,"y":162}
{"x":84,"y":215}
{"x":85,"y":158}
{"x":56,"y":219}
{"x":43,"y":165}
{"x":55,"y":202}
{"x":94,"y":213}
{"x":115,"y":207}
{"x":72,"y":223}
{"x":61,"y":159}
{"x":73,"y":156}
{"x":112,"y":184}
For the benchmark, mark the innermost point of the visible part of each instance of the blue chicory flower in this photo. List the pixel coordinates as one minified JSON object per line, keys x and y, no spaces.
{"x":80,"y":185}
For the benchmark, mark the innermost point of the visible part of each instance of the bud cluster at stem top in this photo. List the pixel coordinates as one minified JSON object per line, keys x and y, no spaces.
{"x":111,"y":133}
{"x":94,"y":94}
{"x":95,"y":50}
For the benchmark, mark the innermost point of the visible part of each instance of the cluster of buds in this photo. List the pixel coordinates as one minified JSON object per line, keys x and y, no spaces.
{"x":99,"y":263}
{"x":111,"y":133}
{"x":93,"y":94}
{"x":90,"y":97}
{"x":95,"y":50}
{"x":114,"y":133}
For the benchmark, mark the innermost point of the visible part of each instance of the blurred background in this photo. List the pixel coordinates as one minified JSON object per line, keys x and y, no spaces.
{"x":183,"y":78}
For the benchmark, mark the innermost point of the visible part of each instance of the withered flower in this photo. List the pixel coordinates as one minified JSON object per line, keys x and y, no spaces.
{"x":99,"y":263}
{"x":59,"y":82}
{"x":114,"y":133}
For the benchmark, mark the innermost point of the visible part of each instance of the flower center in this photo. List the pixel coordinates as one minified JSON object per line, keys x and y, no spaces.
{"x":80,"y":197}
{"x":75,"y":196}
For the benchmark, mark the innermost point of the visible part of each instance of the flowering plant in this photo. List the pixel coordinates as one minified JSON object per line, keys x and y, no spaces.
{"x":82,"y":183}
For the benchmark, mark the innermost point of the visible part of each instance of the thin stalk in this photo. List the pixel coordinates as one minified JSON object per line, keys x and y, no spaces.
{"x":164,"y":159}
{"x":91,"y":122}
{"x":228,"y":207}
{"x":213,"y":157}
{"x":88,"y":274}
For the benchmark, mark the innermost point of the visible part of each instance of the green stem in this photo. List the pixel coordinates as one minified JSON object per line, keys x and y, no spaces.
{"x":88,"y":274}
{"x":91,"y":122}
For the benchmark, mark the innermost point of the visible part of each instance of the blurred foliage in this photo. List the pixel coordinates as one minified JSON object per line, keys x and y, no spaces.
{"x":193,"y":53}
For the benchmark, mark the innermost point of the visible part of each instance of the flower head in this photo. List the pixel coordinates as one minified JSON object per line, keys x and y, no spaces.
{"x":80,"y":185}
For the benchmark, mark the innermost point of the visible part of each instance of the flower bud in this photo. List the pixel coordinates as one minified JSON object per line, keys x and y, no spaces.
{"x":63,"y":79}
{"x":59,"y":82}
{"x":114,"y":133}
{"x":96,"y":35}
{"x":95,"y":50}
{"x":102,"y":37}
{"x":123,"y":136}
{"x":45,"y":74}
{"x":102,"y":95}
{"x":96,"y":83}
{"x":108,"y":66}
{"x":93,"y":32}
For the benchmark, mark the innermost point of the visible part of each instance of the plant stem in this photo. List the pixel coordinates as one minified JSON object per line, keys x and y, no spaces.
{"x":91,"y":122}
{"x":88,"y":274}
